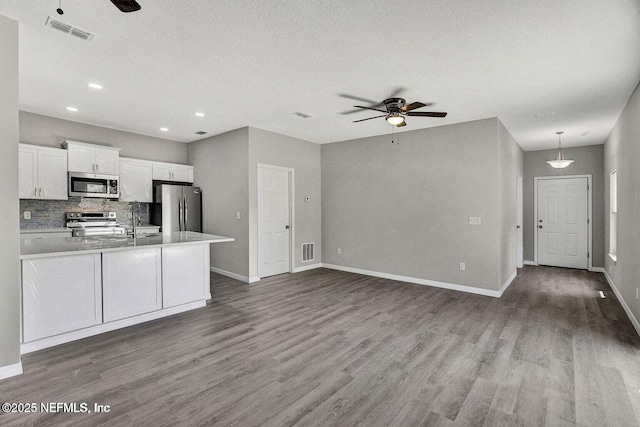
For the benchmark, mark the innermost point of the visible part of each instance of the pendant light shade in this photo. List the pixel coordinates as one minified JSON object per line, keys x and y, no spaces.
{"x":560,"y":162}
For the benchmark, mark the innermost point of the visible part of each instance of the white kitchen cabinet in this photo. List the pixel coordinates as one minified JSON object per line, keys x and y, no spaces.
{"x":91,"y":158}
{"x":60,"y":294}
{"x":136,"y":180}
{"x":172,"y":172}
{"x":43,"y":173}
{"x":132,"y":283}
{"x":185,"y":274}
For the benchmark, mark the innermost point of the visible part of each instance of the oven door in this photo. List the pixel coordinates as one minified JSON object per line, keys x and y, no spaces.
{"x":92,"y":185}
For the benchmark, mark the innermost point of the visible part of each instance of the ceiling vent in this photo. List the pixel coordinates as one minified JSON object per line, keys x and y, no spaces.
{"x":201,"y":132}
{"x":56,"y":24}
{"x":302,"y":114}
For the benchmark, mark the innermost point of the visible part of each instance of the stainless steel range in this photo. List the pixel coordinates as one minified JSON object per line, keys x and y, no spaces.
{"x":94,"y":224}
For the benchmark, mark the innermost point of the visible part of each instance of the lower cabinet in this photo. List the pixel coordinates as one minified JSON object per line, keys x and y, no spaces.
{"x":185,"y":274}
{"x":132,"y":283}
{"x":60,"y":294}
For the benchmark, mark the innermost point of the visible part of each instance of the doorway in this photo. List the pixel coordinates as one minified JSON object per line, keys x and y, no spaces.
{"x":275,"y":218}
{"x":519,"y":221}
{"x":562,"y":233}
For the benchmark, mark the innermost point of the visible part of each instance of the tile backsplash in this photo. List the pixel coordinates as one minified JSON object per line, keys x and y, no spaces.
{"x":51,"y":213}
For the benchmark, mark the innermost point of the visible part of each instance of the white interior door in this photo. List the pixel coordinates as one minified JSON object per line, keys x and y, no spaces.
{"x":562,"y":222}
{"x":519,"y":221}
{"x":273,"y":221}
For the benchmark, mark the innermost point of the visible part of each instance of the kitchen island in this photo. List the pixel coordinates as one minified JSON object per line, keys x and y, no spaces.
{"x":75,"y":287}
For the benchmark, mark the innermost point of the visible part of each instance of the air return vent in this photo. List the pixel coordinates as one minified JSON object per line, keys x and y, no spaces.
{"x":56,"y":24}
{"x":308,"y":251}
{"x":303,"y":114}
{"x":201,"y":132}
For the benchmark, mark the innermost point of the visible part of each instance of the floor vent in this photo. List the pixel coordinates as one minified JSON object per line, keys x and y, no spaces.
{"x":308,"y":251}
{"x":56,"y":24}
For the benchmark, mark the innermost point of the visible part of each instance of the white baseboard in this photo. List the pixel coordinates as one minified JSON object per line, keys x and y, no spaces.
{"x":253,"y":279}
{"x":226,"y":273}
{"x":307,"y":267}
{"x":444,"y":285}
{"x":107,"y":327}
{"x":508,"y":282}
{"x":627,"y":310}
{"x":599,"y":270}
{"x":527,"y":262}
{"x":10,"y":370}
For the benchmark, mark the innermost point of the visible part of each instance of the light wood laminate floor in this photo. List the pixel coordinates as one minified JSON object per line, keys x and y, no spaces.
{"x":332,"y":348}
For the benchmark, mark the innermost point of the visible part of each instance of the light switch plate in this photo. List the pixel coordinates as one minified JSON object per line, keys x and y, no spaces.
{"x":463,"y":266}
{"x":475,"y":220}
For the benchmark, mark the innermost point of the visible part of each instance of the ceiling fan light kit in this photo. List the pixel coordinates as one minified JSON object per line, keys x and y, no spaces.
{"x":560,"y":162}
{"x":395,"y":119}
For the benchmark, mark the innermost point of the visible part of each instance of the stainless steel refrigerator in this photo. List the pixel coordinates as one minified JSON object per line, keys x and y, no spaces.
{"x":177,"y":208}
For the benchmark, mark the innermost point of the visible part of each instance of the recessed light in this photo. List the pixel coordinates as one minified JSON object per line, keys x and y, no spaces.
{"x":164,"y":129}
{"x":95,"y":86}
{"x":200,"y":114}
{"x":74,"y":109}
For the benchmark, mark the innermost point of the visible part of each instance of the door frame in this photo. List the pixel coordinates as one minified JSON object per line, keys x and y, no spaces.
{"x":292,"y":214}
{"x":589,"y":215}
{"x":519,"y":222}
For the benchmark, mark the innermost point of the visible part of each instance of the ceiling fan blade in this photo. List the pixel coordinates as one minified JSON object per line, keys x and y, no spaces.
{"x":362,"y":120}
{"x":357,"y":98}
{"x":426,"y":114}
{"x":396,"y":92}
{"x":127,"y":5}
{"x":370,"y":108}
{"x":413,"y":106}
{"x":402,"y":124}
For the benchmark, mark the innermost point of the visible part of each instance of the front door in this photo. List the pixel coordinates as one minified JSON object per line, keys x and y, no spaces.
{"x":273,"y":221}
{"x":562,"y":222}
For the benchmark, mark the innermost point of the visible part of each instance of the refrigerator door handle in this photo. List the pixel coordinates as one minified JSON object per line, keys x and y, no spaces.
{"x":186,"y":213}
{"x":180,"y":216}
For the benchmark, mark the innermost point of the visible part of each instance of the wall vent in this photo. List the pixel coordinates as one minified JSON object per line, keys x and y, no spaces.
{"x":56,"y":24}
{"x":201,"y":132}
{"x":308,"y":252}
{"x":302,"y":114}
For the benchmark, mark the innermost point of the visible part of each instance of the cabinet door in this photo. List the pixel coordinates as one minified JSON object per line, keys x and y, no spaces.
{"x":161,"y":172}
{"x":52,"y":174}
{"x":107,"y":161}
{"x":28,"y":170}
{"x":185,"y":274}
{"x":136,"y":181}
{"x":132,"y":283}
{"x":61,"y":294}
{"x":81,"y":158}
{"x":180,"y":173}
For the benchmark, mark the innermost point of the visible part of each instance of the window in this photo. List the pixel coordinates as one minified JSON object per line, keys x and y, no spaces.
{"x":613,"y":216}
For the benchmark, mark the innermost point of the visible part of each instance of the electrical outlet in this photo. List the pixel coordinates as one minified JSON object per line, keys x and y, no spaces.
{"x":26,"y":215}
{"x":637,"y":296}
{"x":237,"y":215}
{"x":475,"y":220}
{"x":463,"y":266}
{"x":339,"y":251}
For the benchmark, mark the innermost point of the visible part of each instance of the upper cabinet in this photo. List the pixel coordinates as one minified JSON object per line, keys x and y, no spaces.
{"x":172,"y":172}
{"x":90,"y":158}
{"x":43,"y":173}
{"x":136,"y":180}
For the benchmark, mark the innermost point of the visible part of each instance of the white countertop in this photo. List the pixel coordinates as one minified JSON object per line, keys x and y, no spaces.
{"x":44,"y":247}
{"x":44,"y":230}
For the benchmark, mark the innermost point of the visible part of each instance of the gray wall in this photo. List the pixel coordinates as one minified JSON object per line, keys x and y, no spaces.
{"x":588,"y":160}
{"x":304,"y":157}
{"x":50,"y":131}
{"x":511,"y":166}
{"x":403,"y":209}
{"x":221,"y":169}
{"x":621,"y":153}
{"x":10,"y":248}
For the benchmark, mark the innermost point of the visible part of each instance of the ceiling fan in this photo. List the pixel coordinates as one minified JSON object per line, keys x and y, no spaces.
{"x":397,"y":109}
{"x":127,"y":5}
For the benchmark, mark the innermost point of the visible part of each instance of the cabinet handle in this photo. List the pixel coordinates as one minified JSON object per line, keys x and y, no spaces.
{"x":35,"y":191}
{"x":40,"y":194}
{"x":97,"y":168}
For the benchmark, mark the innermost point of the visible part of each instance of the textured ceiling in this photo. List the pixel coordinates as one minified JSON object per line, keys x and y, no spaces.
{"x":539,"y":66}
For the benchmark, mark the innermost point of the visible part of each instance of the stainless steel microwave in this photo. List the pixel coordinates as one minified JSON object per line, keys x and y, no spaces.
{"x":93,"y":185}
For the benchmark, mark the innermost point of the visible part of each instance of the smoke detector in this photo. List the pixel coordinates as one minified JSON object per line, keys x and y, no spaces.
{"x":59,"y":25}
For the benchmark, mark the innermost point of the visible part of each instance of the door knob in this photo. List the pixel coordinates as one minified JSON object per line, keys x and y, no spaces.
{"x":539,"y":226}
{"x":286,"y":227}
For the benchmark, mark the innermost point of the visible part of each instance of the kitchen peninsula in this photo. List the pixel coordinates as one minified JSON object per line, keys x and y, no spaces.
{"x":75,"y":287}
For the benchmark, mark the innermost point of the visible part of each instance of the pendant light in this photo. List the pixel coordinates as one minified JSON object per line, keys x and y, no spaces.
{"x":560,"y":162}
